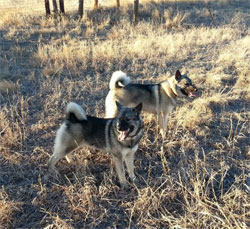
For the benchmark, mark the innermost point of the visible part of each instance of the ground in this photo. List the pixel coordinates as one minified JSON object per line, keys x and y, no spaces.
{"x":197,"y":177}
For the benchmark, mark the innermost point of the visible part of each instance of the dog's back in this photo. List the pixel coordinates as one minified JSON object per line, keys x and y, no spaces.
{"x":129,"y":94}
{"x":90,"y":131}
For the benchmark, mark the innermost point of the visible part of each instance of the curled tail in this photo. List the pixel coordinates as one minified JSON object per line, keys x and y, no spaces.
{"x":119,"y":79}
{"x":75,"y":113}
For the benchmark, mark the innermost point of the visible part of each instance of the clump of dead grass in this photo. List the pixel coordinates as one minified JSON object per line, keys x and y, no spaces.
{"x":12,"y":19}
{"x":201,"y":111}
{"x":12,"y":124}
{"x":242,"y":85}
{"x":172,"y":20}
{"x":193,"y":179}
{"x":7,"y":87}
{"x":10,"y":132}
{"x":8,"y":208}
{"x":236,"y":57}
{"x":82,"y":200}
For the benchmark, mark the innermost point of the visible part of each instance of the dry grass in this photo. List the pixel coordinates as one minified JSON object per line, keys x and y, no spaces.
{"x":8,"y":208}
{"x":197,"y":178}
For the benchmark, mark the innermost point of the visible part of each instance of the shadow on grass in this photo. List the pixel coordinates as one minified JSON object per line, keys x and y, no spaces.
{"x":43,"y":198}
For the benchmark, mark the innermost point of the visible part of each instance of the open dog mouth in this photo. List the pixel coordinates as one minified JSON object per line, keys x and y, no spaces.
{"x":124,"y":134}
{"x":189,"y":93}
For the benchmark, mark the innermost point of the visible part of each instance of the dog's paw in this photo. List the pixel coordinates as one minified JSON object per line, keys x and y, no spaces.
{"x":135,"y":183}
{"x":124,"y":185}
{"x":163,"y":133}
{"x":55,"y":173}
{"x":132,"y":179}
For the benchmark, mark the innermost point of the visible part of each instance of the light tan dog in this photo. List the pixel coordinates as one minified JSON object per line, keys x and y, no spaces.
{"x":159,"y":99}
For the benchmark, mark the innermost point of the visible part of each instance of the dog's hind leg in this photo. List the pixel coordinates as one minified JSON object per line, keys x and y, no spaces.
{"x":61,"y":147}
{"x":56,"y":156}
{"x":59,"y":153}
{"x":111,"y":109}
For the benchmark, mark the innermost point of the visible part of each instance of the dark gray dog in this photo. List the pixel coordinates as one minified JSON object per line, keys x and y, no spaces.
{"x":120,"y":136}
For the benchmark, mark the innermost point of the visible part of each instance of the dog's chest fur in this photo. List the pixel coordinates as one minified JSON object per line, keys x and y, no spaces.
{"x":125,"y":151}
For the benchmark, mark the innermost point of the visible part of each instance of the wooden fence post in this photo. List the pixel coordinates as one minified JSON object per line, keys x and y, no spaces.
{"x":47,"y":8}
{"x":81,"y":8}
{"x":118,"y":3}
{"x":136,"y":6}
{"x":55,"y":6}
{"x":61,"y":3}
{"x":96,"y":4}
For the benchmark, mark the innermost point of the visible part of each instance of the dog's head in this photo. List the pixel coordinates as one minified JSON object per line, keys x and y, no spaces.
{"x":128,"y":122}
{"x":182,"y":85}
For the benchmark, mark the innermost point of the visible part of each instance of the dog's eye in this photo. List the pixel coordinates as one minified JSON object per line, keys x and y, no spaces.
{"x":136,"y":117}
{"x":127,"y":119}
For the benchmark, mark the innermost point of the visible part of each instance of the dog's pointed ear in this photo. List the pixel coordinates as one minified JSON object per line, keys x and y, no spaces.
{"x":178,"y":75}
{"x":119,"y":106}
{"x":138,"y":108}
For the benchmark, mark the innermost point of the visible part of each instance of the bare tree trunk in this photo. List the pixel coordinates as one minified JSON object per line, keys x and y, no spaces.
{"x":96,"y":4}
{"x":55,"y":6}
{"x":61,"y":3}
{"x":118,"y":3}
{"x":136,"y":6}
{"x":80,"y":8}
{"x":47,"y":8}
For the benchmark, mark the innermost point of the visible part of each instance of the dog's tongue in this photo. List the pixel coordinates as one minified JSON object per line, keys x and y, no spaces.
{"x":122,"y":136}
{"x":191,"y":94}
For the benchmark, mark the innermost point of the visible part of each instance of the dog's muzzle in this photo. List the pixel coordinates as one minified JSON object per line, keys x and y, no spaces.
{"x":124,"y":131}
{"x":190,"y":91}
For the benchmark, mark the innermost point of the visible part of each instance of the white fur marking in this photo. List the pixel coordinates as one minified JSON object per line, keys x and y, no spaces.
{"x":118,"y":76}
{"x":59,"y":147}
{"x":77,"y":110}
{"x":110,"y":105}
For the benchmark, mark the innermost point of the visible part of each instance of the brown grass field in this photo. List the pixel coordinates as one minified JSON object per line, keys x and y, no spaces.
{"x":199,"y":177}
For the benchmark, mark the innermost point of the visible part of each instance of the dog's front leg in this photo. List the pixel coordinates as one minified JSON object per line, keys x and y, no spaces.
{"x":129,"y":160}
{"x":163,"y":123}
{"x":120,"y":171}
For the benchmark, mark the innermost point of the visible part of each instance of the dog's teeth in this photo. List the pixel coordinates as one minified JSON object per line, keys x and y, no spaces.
{"x":122,"y":136}
{"x":191,"y":94}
